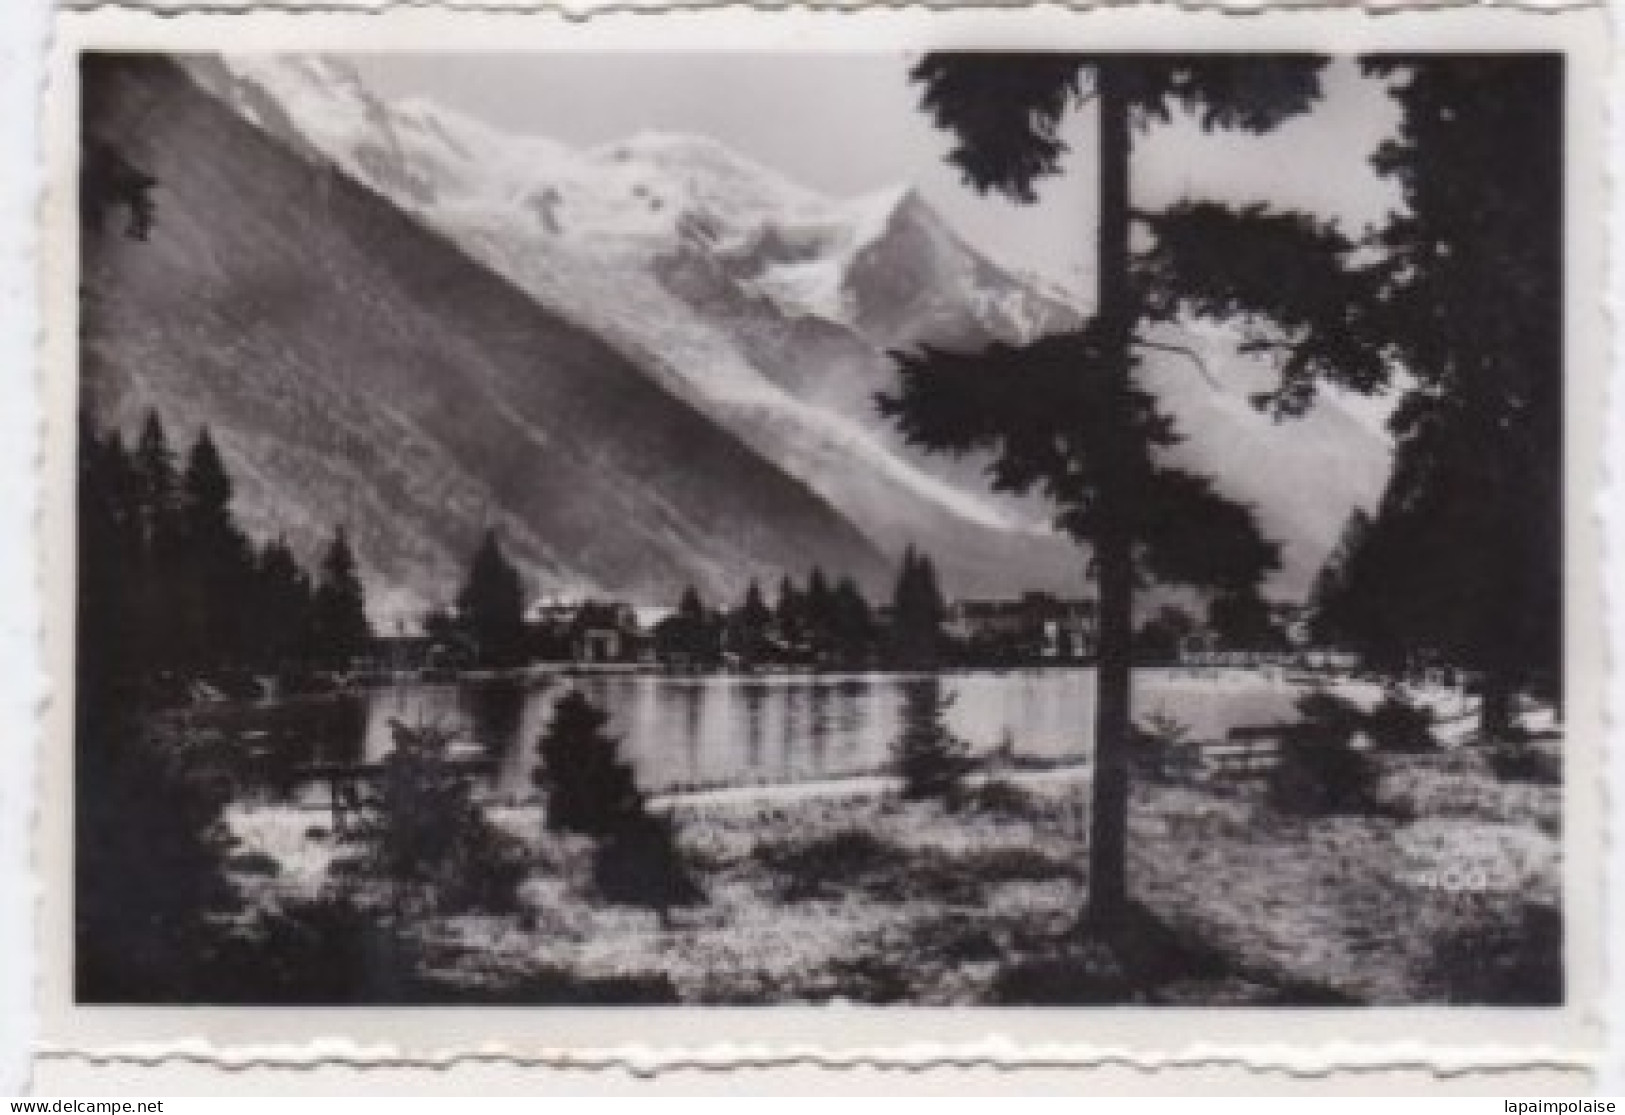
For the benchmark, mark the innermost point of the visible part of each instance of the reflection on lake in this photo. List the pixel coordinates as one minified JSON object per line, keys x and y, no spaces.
{"x":709,"y":730}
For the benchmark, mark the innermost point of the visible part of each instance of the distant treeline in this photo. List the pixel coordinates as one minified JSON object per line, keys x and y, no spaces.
{"x":815,"y":623}
{"x":821,"y":621}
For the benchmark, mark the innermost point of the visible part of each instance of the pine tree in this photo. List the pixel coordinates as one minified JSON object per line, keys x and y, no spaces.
{"x":1328,"y":595}
{"x":750,"y":624}
{"x":819,"y":613}
{"x":692,"y":631}
{"x":112,"y":558}
{"x":587,"y":788}
{"x":931,"y":761}
{"x":789,"y":615}
{"x":427,"y":836}
{"x":158,"y":578}
{"x":492,"y":605}
{"x":216,"y":570}
{"x":852,"y":621}
{"x":691,"y":608}
{"x":339,"y":625}
{"x":149,"y":843}
{"x":1465,"y":556}
{"x":1161,"y":637}
{"x":1242,"y":621}
{"x":1063,"y":414}
{"x":281,"y":608}
{"x":155,"y":472}
{"x":918,"y":613}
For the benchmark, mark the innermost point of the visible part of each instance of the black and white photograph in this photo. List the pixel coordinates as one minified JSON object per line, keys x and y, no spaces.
{"x":921,"y":528}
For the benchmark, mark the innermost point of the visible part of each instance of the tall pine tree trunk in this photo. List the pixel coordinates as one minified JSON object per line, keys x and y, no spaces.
{"x":1113,"y":541}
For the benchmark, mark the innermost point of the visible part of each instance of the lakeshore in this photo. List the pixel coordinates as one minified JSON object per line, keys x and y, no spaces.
{"x":1447,"y":890}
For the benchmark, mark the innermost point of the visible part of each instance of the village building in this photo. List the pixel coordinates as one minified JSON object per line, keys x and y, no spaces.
{"x":1035,"y":626}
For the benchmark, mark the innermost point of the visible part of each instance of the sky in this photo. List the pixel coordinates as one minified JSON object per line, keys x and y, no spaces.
{"x":849,"y":124}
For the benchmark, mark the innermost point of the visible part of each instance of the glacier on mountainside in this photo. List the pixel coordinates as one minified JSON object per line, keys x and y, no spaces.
{"x":772,"y":308}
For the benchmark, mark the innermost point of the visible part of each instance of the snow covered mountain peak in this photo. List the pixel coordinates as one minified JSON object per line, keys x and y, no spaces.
{"x":766,"y":305}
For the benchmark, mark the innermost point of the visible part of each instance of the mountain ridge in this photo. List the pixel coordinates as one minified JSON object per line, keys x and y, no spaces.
{"x":355,"y":368}
{"x":773,"y":311}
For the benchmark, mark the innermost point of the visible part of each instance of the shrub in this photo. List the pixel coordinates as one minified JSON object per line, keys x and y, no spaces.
{"x":867,"y":978}
{"x":589,"y":790}
{"x":324,"y":952}
{"x":1510,"y":961}
{"x":1163,"y":748}
{"x":1078,"y":977}
{"x":586,"y":786}
{"x":1320,"y":771}
{"x":1000,"y":797}
{"x":930,"y":759}
{"x":1521,"y":763}
{"x":1400,"y":726}
{"x":640,"y":864}
{"x":150,"y":860}
{"x":815,"y":868}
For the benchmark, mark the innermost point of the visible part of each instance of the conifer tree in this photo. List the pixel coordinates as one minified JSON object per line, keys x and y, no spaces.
{"x":340,"y":629}
{"x":852,"y":621}
{"x":1063,"y":415}
{"x":216,"y":570}
{"x":587,"y":787}
{"x":819,"y":612}
{"x":149,"y":844}
{"x":918,"y":612}
{"x":492,"y":605}
{"x":1465,"y":556}
{"x":751,"y":623}
{"x":789,"y":614}
{"x":156,"y":475}
{"x":281,"y":606}
{"x":1327,"y":596}
{"x":931,"y":761}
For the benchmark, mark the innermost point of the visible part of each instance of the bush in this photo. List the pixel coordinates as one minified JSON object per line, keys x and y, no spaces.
{"x":640,"y":864}
{"x":589,"y":790}
{"x":324,"y":953}
{"x":1162,"y":748}
{"x":149,"y":861}
{"x":334,"y":953}
{"x":586,"y":786}
{"x":821,"y":867}
{"x":930,"y":759}
{"x":1510,"y":961}
{"x":1514,"y":763}
{"x":1078,"y":977}
{"x":1398,"y":725}
{"x":1320,"y":771}
{"x":1000,"y":797}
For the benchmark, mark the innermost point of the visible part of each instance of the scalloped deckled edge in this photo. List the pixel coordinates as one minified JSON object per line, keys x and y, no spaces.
{"x":998,"y":1053}
{"x":589,"y":8}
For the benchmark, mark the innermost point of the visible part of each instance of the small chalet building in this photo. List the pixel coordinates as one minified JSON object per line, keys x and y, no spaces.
{"x":1036,"y":626}
{"x":588,"y":632}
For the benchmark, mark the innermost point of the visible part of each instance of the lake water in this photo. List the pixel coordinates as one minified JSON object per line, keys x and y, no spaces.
{"x":713,"y":730}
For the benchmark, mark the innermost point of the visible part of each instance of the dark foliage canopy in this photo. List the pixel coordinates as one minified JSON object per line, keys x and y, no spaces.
{"x":1464,"y":558}
{"x":491,"y":604}
{"x":1006,"y":109}
{"x":1041,"y":411}
{"x":588,"y":788}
